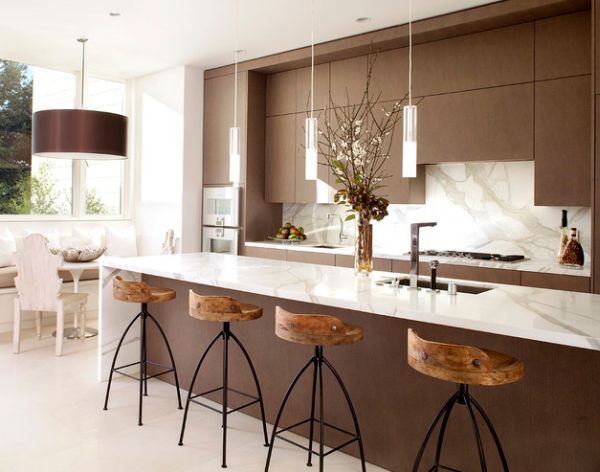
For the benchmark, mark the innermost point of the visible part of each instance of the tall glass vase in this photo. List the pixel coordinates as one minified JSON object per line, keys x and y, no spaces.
{"x":363,"y":256}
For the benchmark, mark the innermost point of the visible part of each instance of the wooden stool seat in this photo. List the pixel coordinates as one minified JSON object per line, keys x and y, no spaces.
{"x":222,"y":309}
{"x":316,"y":330}
{"x":462,"y":364}
{"x":140,"y":292}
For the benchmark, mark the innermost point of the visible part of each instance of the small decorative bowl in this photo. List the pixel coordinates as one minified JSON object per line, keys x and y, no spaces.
{"x":85,"y":254}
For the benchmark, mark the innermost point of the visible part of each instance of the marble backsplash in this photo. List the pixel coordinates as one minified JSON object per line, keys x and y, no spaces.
{"x":478,"y":206}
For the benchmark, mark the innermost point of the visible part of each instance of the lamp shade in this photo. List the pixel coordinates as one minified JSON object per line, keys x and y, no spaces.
{"x":79,"y":134}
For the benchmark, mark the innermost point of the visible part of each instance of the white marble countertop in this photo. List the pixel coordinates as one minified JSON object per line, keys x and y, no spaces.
{"x":554,"y":316}
{"x":528,"y":265}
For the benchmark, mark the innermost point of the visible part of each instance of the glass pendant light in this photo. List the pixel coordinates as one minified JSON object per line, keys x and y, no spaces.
{"x":234,"y":131}
{"x":409,"y":116}
{"x":311,"y":125}
{"x":79,"y":133}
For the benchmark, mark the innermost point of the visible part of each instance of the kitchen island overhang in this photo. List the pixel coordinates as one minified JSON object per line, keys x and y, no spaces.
{"x":556,"y":399}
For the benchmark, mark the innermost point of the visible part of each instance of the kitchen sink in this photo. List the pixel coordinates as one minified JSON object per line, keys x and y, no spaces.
{"x":442,"y":286}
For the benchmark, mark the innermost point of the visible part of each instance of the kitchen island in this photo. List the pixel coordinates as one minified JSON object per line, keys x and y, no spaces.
{"x":548,"y":421}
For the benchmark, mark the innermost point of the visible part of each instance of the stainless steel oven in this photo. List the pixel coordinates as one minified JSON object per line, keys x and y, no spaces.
{"x":221,"y":219}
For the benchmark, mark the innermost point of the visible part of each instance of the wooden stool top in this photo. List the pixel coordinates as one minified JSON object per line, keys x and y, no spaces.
{"x":222,"y":309}
{"x":317,"y":330}
{"x":462,"y":364}
{"x":140,"y":292}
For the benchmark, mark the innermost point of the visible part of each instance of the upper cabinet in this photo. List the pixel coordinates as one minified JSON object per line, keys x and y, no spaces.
{"x":563,"y":46}
{"x":498,"y":57}
{"x":218,"y":113}
{"x":562,"y":142}
{"x":348,"y":79}
{"x":321,"y":84}
{"x":280,"y":157}
{"x":491,"y":124}
{"x":281,"y":93}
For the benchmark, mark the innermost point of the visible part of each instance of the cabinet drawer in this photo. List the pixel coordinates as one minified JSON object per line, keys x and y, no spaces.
{"x":384,"y":265}
{"x":571,"y":283}
{"x":311,"y":257}
{"x":265,"y":253}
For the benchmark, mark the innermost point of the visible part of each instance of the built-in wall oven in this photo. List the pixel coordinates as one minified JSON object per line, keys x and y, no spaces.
{"x":221,"y":219}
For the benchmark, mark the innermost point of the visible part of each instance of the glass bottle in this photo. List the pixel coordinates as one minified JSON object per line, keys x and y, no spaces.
{"x":573,"y":253}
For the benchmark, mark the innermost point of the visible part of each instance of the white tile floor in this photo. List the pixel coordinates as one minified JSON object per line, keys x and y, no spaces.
{"x":51,"y":419}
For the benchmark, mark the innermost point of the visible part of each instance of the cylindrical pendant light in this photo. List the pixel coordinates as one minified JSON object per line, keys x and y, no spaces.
{"x":311,"y":126}
{"x":79,"y":133}
{"x":234,"y":132}
{"x":409,"y":116}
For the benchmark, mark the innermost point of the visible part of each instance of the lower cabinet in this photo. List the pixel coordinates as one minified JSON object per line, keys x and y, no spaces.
{"x":384,"y":265}
{"x":311,"y":257}
{"x":571,"y":283}
{"x":265,"y":253}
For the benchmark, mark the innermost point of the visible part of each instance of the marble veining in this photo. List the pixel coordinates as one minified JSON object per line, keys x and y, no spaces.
{"x":554,"y":316}
{"x":478,"y":206}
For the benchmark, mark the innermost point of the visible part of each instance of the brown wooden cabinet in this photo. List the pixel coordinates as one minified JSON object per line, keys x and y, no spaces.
{"x":280,"y":156}
{"x":218,"y":112}
{"x":321,"y":88}
{"x":563,"y":142}
{"x":563,"y":46}
{"x":348,"y":78}
{"x":556,"y":281}
{"x":493,"y":124}
{"x":265,"y":253}
{"x":311,"y":257}
{"x":492,"y":58}
{"x":281,"y":93}
{"x":384,"y":265}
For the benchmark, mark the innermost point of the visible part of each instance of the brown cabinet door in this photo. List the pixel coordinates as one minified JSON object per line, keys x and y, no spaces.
{"x":281,"y":93}
{"x":501,"y":56}
{"x":494,"y":124}
{"x":321,"y":88}
{"x":309,"y":191}
{"x":563,"y":142}
{"x":348,"y":79}
{"x":570,"y":283}
{"x":218,"y":113}
{"x":265,"y":253}
{"x":563,"y":46}
{"x":280,"y":156}
{"x":390,"y":75}
{"x":311,"y":257}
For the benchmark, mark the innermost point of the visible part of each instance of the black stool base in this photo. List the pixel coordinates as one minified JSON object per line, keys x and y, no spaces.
{"x":225,"y":411}
{"x":143,"y":316}
{"x":461,"y":397}
{"x":318,"y":360}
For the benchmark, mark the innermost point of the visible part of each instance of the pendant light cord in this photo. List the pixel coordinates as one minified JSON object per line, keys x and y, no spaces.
{"x":312,"y":55}
{"x":409,"y":52}
{"x":82,"y":41}
{"x":235,"y":67}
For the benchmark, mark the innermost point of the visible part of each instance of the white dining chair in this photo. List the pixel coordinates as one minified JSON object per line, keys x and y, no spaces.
{"x":39,"y":289}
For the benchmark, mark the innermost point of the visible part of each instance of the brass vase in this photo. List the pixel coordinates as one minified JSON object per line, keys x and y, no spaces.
{"x":363,"y":257}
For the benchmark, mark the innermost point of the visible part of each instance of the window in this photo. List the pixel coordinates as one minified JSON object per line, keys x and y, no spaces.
{"x":31,"y":185}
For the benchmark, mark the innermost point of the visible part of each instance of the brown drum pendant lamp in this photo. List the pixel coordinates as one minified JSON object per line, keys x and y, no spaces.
{"x":79,"y":133}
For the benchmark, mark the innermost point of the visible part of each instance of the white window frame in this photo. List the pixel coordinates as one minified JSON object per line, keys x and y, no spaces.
{"x":79,"y":172}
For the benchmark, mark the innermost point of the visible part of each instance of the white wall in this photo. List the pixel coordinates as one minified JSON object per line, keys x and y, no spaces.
{"x":168,"y":158}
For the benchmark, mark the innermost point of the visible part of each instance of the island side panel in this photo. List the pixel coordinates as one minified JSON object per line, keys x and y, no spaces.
{"x":113,"y":318}
{"x":547,"y":421}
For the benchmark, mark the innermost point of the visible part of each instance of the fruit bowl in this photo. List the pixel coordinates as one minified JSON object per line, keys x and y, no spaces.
{"x":289,"y":233}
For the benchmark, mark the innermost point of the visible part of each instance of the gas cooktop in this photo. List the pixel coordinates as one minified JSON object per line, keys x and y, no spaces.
{"x":480,"y":256}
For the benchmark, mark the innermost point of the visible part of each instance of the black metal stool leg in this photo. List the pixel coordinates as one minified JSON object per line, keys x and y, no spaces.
{"x":321,"y":410}
{"x":112,"y":367}
{"x":312,"y":411}
{"x":440,"y":443}
{"x":436,"y":420}
{"x":145,"y":354}
{"x":492,"y":431}
{"x":279,"y":413}
{"x":142,"y":363}
{"x":164,"y":336}
{"x":260,"y":400}
{"x":226,"y":333}
{"x":475,"y":429}
{"x":189,"y":396}
{"x":352,"y":411}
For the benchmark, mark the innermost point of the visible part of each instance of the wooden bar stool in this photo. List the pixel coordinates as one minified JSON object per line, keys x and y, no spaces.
{"x":463,"y":365}
{"x":224,"y":310}
{"x":141,"y":292}
{"x":318,"y":331}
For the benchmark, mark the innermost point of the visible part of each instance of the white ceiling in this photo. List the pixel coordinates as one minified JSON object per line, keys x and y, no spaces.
{"x":152,"y":35}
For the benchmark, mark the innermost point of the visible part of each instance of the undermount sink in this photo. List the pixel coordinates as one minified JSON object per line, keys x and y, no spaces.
{"x":472,"y":289}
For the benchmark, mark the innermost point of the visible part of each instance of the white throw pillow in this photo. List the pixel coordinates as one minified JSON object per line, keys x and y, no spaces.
{"x":88,"y":236}
{"x":8,"y":247}
{"x":52,"y":235}
{"x":121,"y":241}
